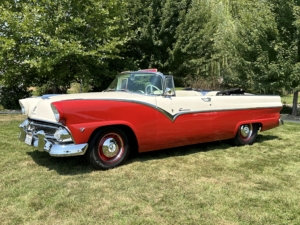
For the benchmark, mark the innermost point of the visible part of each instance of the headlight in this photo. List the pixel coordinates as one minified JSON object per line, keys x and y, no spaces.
{"x":23,"y":110}
{"x":56,"y":113}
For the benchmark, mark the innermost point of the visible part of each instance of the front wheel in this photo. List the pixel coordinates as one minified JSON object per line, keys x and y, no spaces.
{"x":246,"y":134}
{"x":108,"y":148}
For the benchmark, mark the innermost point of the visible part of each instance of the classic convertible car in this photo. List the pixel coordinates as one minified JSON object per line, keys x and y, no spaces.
{"x":142,"y":110}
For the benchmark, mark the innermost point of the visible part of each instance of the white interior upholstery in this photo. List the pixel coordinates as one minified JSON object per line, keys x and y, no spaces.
{"x":183,"y":93}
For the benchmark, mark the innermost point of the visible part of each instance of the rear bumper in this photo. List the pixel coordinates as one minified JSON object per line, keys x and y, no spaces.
{"x":39,"y":140}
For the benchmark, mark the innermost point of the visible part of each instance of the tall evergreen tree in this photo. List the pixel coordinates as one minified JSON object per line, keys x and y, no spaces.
{"x":288,"y":46}
{"x":253,"y":57}
{"x":153,"y":26}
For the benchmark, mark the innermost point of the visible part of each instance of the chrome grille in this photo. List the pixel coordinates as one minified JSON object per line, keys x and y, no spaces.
{"x":34,"y":126}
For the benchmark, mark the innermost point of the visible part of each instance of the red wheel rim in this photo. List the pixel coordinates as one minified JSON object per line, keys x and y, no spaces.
{"x":111,"y":148}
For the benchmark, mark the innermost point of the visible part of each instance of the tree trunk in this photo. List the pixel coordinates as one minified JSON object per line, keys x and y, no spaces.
{"x":295,"y":104}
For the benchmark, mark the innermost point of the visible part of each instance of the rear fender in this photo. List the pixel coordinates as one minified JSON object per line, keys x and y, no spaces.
{"x":264,"y":124}
{"x":246,"y":122}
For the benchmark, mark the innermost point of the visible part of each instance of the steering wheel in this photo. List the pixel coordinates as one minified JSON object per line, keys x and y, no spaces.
{"x":151,"y":87}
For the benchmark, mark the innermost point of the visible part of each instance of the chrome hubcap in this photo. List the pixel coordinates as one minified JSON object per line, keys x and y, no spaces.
{"x":246,"y":130}
{"x":110,"y":147}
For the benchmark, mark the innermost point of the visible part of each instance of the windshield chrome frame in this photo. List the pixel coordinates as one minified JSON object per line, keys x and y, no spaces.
{"x":162,"y":76}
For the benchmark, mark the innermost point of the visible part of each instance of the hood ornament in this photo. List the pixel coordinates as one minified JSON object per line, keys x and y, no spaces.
{"x":33,"y":111}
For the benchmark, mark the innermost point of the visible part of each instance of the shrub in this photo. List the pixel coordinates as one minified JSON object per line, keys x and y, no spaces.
{"x":51,"y":87}
{"x":198,"y":82}
{"x":286,"y":109}
{"x":9,"y":96}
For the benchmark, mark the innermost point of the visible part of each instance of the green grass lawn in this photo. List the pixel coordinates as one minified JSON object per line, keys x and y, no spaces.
{"x":288,"y":99}
{"x":211,"y":183}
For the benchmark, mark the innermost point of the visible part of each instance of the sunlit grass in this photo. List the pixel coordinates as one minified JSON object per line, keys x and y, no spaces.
{"x":288,"y":99}
{"x":211,"y":183}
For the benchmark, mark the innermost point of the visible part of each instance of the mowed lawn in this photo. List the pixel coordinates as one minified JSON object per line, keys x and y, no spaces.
{"x":211,"y":183}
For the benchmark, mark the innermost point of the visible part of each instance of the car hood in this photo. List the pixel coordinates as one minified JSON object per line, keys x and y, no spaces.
{"x":39,"y":108}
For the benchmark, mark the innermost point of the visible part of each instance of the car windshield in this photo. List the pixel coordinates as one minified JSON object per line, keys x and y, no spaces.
{"x":142,"y":83}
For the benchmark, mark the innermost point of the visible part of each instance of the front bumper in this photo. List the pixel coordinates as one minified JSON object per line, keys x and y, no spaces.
{"x":40,"y":139}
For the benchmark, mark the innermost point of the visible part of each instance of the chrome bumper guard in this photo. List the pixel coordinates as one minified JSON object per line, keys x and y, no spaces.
{"x":40,"y":141}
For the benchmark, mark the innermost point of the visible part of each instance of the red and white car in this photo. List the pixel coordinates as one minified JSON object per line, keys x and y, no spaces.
{"x":141,"y":110}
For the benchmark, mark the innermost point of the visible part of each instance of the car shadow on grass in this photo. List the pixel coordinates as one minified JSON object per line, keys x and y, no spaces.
{"x":63,"y":165}
{"x":79,"y":165}
{"x":262,"y":138}
{"x":193,"y":149}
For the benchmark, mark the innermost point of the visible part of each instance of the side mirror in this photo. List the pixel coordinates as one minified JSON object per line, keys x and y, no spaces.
{"x":168,"y":92}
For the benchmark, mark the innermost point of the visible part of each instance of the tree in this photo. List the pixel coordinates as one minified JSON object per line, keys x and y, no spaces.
{"x":153,"y":26}
{"x":194,"y":38}
{"x":59,"y":42}
{"x":204,"y":46}
{"x":253,"y":52}
{"x":288,"y":45}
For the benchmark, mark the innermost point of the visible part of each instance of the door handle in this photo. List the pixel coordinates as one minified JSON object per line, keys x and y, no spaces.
{"x":206,"y":99}
{"x":181,"y":109}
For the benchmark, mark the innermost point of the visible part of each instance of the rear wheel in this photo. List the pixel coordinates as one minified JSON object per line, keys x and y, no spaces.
{"x":246,"y":134}
{"x":108,"y":148}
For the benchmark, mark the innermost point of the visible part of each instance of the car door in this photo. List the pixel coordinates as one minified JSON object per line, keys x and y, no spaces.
{"x":183,"y":120}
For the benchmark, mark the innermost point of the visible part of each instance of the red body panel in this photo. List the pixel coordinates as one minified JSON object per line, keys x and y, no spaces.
{"x":93,"y":114}
{"x":155,"y":129}
{"x":225,"y":123}
{"x":186,"y":129}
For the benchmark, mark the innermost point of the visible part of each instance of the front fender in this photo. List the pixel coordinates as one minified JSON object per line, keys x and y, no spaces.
{"x":82,"y":132}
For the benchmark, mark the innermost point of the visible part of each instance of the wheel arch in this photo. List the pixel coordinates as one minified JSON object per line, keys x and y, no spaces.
{"x":246,"y":133}
{"x":259,"y":125}
{"x":126,"y":129}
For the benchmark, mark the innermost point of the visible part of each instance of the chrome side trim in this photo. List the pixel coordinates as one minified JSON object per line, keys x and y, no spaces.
{"x":175,"y":116}
{"x":164,"y":112}
{"x":241,"y":109}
